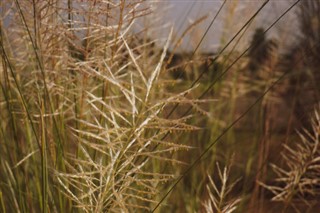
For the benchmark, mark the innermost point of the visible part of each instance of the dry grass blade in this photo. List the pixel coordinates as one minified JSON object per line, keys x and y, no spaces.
{"x":156,"y":72}
{"x":219,"y":192}
{"x":299,"y":177}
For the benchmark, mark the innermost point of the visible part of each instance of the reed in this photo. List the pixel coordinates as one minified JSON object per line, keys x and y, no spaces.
{"x":99,"y":116}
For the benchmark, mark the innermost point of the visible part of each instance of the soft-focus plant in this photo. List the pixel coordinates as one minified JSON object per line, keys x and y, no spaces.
{"x":219,"y":200}
{"x":299,"y":177}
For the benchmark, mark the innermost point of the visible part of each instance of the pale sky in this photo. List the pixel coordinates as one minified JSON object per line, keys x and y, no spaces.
{"x":234,"y":14}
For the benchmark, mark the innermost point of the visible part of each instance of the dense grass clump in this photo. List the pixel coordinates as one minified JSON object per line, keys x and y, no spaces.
{"x":83,"y":120}
{"x":99,"y":115}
